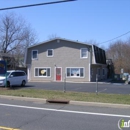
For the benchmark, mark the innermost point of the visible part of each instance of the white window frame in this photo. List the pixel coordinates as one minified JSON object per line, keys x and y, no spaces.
{"x":32,"y":55}
{"x":79,"y":72}
{"x":52,"y":52}
{"x":42,"y":68}
{"x":81,"y":53}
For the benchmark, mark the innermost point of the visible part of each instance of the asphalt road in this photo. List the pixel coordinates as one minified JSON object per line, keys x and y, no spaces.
{"x":113,"y":88}
{"x":32,"y":115}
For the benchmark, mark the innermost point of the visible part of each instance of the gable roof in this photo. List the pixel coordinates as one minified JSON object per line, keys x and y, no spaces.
{"x":60,"y":39}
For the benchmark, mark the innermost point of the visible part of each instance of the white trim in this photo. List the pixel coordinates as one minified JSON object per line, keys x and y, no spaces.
{"x":75,"y":76}
{"x":43,"y":68}
{"x":28,"y":71}
{"x":89,"y":72}
{"x":81,"y":53}
{"x":32,"y":55}
{"x":55,"y":73}
{"x":93,"y":55}
{"x":52,"y":53}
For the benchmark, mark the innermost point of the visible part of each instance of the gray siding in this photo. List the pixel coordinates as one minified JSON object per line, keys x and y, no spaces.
{"x":66,"y":54}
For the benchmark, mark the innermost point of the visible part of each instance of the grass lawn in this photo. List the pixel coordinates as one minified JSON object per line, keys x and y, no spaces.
{"x":88,"y":97}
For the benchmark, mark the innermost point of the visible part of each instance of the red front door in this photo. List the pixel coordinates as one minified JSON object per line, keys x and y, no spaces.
{"x":58,"y":74}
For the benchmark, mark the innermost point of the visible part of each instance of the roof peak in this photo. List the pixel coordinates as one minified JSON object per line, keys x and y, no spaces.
{"x":58,"y":38}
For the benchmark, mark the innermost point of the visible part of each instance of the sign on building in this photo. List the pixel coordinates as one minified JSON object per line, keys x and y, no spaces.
{"x":122,"y":71}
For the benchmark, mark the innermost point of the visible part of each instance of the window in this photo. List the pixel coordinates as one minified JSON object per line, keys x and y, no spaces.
{"x":13,"y":74}
{"x":42,"y":72}
{"x":34,"y":54}
{"x":84,"y":53}
{"x":19,"y":74}
{"x":50,"y":53}
{"x":75,"y":72}
{"x":16,"y":74}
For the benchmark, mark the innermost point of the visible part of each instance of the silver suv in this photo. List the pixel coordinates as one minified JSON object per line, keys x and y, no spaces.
{"x":14,"y":77}
{"x":129,"y":79}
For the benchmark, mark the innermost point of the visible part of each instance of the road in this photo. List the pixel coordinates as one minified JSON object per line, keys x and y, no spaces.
{"x":36,"y":115}
{"x":82,"y":87}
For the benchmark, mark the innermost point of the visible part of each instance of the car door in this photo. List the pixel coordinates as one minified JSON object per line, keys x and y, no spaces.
{"x":12,"y":79}
{"x":18,"y":78}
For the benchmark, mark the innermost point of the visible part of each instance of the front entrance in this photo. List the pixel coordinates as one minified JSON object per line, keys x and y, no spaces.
{"x":58,"y":74}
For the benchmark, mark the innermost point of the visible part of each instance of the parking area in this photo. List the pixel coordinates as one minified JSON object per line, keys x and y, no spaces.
{"x":113,"y":88}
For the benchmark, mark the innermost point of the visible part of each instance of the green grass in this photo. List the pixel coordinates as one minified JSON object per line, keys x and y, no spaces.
{"x":88,"y":97}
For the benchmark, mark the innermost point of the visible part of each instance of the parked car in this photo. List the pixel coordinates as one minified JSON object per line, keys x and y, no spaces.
{"x":125,"y":76}
{"x":14,"y":77}
{"x":129,"y":79}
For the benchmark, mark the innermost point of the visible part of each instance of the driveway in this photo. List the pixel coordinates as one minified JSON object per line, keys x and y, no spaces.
{"x":113,"y":88}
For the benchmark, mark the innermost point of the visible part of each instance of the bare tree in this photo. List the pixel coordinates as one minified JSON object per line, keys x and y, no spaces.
{"x":119,"y":53}
{"x":52,"y":36}
{"x":15,"y":35}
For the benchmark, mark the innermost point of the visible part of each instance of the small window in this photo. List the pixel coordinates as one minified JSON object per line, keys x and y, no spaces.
{"x":84,"y":53}
{"x":42,"y":72}
{"x":34,"y":54}
{"x":50,"y":53}
{"x":75,"y":72}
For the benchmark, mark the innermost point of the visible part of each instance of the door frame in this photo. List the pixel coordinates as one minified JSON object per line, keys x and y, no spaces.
{"x":55,"y":74}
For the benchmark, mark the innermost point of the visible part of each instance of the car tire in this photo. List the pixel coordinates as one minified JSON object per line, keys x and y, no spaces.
{"x":23,"y":83}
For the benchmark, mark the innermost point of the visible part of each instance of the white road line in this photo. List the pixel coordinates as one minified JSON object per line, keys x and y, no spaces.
{"x":117,"y":84}
{"x":102,"y":90}
{"x":65,"y":111}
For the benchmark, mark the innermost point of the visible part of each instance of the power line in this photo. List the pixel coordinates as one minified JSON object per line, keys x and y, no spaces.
{"x":115,"y":38}
{"x":25,"y":6}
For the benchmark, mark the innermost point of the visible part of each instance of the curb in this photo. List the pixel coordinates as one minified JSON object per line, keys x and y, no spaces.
{"x":97,"y":104}
{"x":23,"y":98}
{"x":69,"y":82}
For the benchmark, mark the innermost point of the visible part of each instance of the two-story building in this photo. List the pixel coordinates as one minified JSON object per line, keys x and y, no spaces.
{"x":59,"y":58}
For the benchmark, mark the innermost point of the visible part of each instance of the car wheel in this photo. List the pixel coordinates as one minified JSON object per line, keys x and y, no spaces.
{"x":23,"y":83}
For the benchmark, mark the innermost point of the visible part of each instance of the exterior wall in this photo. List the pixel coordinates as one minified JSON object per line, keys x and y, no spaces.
{"x":66,"y":54}
{"x":94,"y":71}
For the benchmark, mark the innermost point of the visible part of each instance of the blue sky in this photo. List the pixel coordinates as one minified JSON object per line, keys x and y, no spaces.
{"x":82,"y":20}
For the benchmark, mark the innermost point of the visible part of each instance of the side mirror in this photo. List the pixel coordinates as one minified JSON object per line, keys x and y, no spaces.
{"x":11,"y":76}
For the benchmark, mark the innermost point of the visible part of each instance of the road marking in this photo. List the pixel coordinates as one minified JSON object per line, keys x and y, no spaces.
{"x":102,"y":90}
{"x":7,"y":128}
{"x":117,"y":83}
{"x":65,"y":111}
